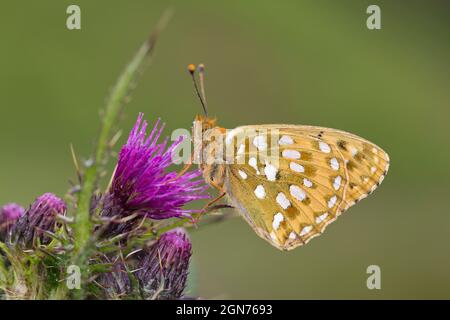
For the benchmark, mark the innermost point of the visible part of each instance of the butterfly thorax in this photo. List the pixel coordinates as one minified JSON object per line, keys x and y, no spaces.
{"x":208,"y":143}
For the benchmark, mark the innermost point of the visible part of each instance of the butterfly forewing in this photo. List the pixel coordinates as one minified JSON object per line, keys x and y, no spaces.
{"x":298,"y":179}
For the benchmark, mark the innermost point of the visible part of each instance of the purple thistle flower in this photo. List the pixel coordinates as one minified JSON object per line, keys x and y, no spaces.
{"x":9,"y":213}
{"x":142,"y":184}
{"x":163,"y":269}
{"x":40,"y":217}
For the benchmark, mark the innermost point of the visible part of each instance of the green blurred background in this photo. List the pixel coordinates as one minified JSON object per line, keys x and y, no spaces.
{"x":299,"y":62}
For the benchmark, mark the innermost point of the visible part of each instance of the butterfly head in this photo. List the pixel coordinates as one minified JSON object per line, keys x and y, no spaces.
{"x":205,"y":122}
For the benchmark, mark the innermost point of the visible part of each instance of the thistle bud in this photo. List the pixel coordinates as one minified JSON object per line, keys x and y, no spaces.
{"x":164,"y":267}
{"x":40,"y":217}
{"x":115,"y":283}
{"x":9,"y":214}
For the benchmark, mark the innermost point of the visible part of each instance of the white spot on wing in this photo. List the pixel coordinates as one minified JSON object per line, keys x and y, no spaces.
{"x":322,"y":217}
{"x":332,"y":202}
{"x":270,"y":172}
{"x":277,"y":219}
{"x":291,"y":154}
{"x":297,"y":193}
{"x":373,"y":169}
{"x":337,"y":182}
{"x":305,"y":230}
{"x":307,"y":183}
{"x":242,"y":174}
{"x":285,"y":140}
{"x":353,"y":151}
{"x":334,"y":164}
{"x":260,"y":192}
{"x":296,"y":167}
{"x":254,"y":164}
{"x":260,"y":142}
{"x":292,"y":235}
{"x":324,"y":147}
{"x":283,"y":201}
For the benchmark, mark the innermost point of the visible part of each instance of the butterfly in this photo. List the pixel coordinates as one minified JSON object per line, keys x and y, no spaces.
{"x":289,"y":182}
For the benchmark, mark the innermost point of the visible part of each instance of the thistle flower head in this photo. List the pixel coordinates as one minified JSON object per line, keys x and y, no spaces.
{"x":164,"y":267}
{"x":40,"y":217}
{"x":142,"y":183}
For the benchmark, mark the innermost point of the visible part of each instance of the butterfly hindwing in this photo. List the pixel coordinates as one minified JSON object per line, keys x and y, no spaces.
{"x":298,"y":179}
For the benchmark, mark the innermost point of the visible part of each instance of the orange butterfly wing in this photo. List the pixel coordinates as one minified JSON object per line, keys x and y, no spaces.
{"x":298,"y":179}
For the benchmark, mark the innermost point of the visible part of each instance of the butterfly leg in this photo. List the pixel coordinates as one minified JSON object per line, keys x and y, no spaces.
{"x":221,"y":217}
{"x":209,"y":207}
{"x":209,"y":204}
{"x":220,"y":206}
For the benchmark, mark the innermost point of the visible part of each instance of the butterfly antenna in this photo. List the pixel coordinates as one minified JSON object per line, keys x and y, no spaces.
{"x":200,"y":94}
{"x":201,"y":76}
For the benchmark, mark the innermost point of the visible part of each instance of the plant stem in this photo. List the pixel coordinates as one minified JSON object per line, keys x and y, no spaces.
{"x":82,"y":227}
